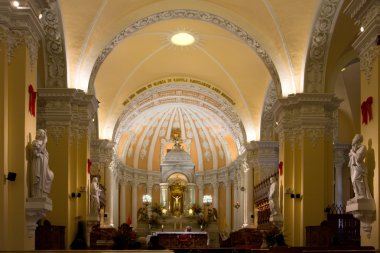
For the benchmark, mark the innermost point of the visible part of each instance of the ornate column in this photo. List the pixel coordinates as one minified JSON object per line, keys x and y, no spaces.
{"x":20,"y":37}
{"x":191,"y":193}
{"x":123,"y":203}
{"x":149,"y":189}
{"x":366,"y":15}
{"x":134,"y":203}
{"x":248,"y":194}
{"x":305,"y":129}
{"x":228,"y":202}
{"x":116,"y":203}
{"x":101,"y":159}
{"x":263,"y":157}
{"x":200,"y":184}
{"x":340,"y":163}
{"x":215,"y":198}
{"x":237,"y":200}
{"x":164,"y":195}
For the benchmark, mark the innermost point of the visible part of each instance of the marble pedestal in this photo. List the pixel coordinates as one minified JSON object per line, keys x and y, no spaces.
{"x":277,"y":220}
{"x":36,"y":208}
{"x":91,"y":221}
{"x":364,"y":210}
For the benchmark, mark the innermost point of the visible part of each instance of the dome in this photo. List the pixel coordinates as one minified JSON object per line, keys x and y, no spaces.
{"x":208,"y":130}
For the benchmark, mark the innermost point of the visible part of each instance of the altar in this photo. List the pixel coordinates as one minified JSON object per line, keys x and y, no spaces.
{"x":173,"y":240}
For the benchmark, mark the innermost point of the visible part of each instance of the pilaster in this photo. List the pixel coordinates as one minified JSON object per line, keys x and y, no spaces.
{"x":366,"y":14}
{"x":67,"y":115}
{"x":340,"y":164}
{"x":305,"y":128}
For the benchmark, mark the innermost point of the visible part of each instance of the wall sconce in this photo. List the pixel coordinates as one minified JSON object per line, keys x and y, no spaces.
{"x":10,"y":177}
{"x":242,"y":188}
{"x":237,"y":205}
{"x":207,"y":200}
{"x":76,"y":194}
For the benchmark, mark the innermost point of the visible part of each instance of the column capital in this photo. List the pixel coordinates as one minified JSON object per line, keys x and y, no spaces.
{"x":310,"y":114}
{"x":366,"y":14}
{"x":66,"y":107}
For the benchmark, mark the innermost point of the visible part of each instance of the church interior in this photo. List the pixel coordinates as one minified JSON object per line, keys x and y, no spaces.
{"x":205,"y":123}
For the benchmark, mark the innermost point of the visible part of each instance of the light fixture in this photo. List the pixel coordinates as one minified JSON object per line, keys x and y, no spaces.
{"x":237,"y":205}
{"x":182,"y":39}
{"x":191,"y":211}
{"x":16,"y":4}
{"x":362,"y":28}
{"x":147,"y":199}
{"x":207,"y":200}
{"x":343,"y":69}
{"x":40,"y":16}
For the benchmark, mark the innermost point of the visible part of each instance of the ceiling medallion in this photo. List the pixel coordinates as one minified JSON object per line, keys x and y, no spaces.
{"x":182,"y":39}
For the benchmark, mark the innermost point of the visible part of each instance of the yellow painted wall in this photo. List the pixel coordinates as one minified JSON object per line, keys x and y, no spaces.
{"x":21,"y":128}
{"x":371,"y":132}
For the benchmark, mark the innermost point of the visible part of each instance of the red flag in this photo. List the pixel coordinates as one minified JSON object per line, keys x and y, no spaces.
{"x":129,"y":221}
{"x":280,"y":167}
{"x":89,"y":166}
{"x":32,"y":100}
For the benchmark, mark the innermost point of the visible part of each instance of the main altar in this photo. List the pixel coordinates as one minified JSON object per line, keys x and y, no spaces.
{"x":178,"y":207}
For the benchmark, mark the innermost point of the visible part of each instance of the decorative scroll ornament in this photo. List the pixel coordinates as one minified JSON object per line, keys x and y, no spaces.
{"x":55,"y":49}
{"x":314,"y":74}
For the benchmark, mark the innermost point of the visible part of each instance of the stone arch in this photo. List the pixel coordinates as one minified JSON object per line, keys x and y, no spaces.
{"x":187,"y":14}
{"x":314,"y":80}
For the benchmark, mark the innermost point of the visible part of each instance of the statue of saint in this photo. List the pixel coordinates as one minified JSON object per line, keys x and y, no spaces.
{"x":358,"y":169}
{"x":41,"y":177}
{"x":273,"y":196}
{"x":94,"y":198}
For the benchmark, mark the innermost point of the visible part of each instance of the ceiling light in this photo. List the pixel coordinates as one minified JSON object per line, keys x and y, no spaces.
{"x":40,"y":16}
{"x":362,"y":28}
{"x":343,"y":69}
{"x":16,"y":4}
{"x":182,"y":39}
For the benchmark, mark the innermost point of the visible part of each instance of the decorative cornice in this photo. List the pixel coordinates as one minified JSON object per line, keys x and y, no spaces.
{"x":66,"y":107}
{"x":318,"y":47}
{"x":366,"y":14}
{"x":187,"y":14}
{"x":18,"y":26}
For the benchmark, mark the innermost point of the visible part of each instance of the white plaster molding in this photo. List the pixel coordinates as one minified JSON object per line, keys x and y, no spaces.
{"x":366,"y":14}
{"x":36,"y":208}
{"x":55,"y":49}
{"x":318,"y":46}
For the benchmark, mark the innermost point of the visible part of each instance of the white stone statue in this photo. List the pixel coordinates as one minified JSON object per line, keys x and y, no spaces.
{"x":273,"y":197}
{"x":94,"y":197}
{"x":358,"y":169}
{"x":41,"y":177}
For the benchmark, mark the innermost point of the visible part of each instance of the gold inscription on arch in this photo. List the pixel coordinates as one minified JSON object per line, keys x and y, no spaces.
{"x":177,"y":79}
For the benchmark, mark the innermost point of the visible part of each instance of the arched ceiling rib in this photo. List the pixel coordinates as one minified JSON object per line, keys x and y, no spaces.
{"x":243,"y":45}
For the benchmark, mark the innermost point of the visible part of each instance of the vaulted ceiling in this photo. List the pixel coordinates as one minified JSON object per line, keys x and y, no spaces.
{"x":120,"y":49}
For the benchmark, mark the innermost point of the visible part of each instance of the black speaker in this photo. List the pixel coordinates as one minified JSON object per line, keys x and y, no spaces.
{"x":11,"y":176}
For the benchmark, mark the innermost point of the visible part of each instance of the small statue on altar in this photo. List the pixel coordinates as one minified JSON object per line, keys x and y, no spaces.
{"x":177,"y":203}
{"x":358,"y":168}
{"x":94,"y":198}
{"x":41,"y":177}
